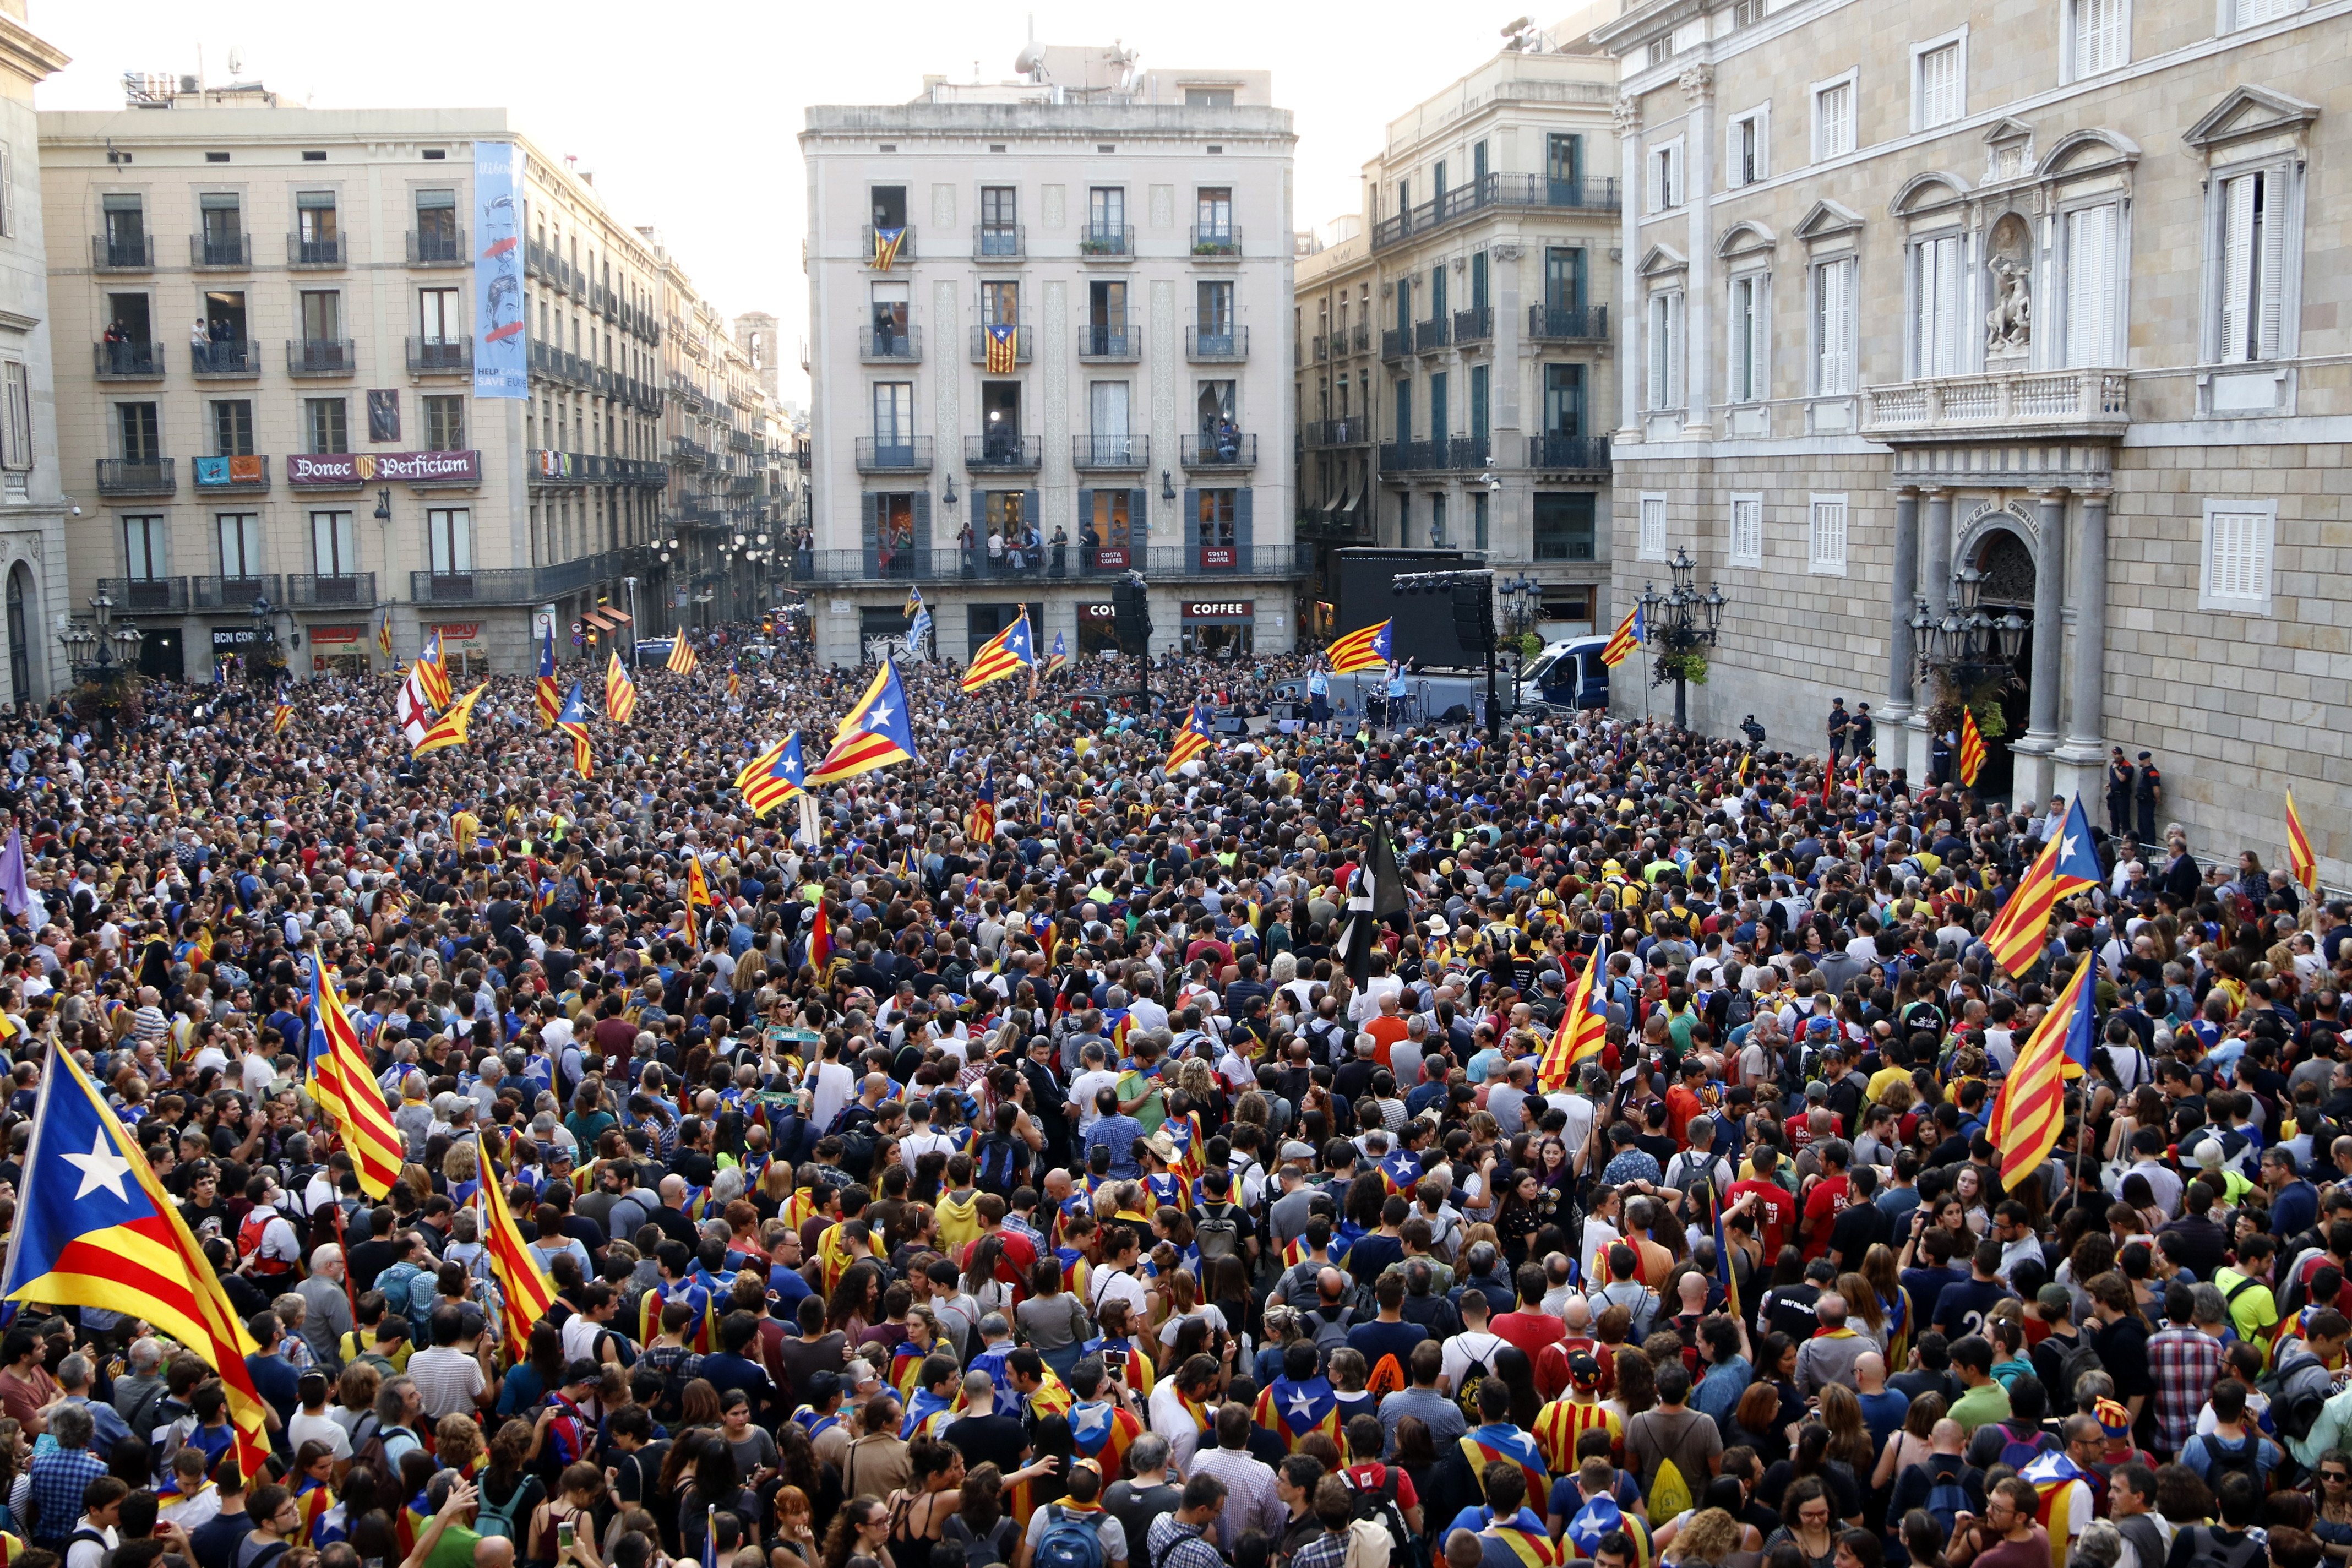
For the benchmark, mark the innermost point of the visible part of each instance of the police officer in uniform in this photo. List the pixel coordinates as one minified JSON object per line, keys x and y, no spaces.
{"x":2121,"y":778}
{"x":1838,"y":720}
{"x":2148,"y":794}
{"x":1862,"y":733}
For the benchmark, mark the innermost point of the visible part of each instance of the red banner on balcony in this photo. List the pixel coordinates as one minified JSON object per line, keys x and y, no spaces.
{"x":327,"y":469}
{"x":1217,"y":557}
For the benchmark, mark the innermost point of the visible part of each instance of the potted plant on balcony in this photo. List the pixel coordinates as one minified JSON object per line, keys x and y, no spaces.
{"x":1101,"y":245}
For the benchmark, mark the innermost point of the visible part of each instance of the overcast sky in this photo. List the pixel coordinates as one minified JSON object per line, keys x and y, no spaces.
{"x":688,"y":113}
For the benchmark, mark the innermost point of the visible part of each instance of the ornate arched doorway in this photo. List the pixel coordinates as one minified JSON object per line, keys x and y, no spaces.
{"x":23,"y":617}
{"x":2003,"y":558}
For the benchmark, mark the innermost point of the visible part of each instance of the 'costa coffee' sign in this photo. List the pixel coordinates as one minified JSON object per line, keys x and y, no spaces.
{"x":1112,"y":560}
{"x":1216,"y":609}
{"x":367,"y":468}
{"x":1097,"y":612}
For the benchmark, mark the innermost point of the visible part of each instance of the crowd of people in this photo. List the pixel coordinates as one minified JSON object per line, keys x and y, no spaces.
{"x":1112,"y":1188}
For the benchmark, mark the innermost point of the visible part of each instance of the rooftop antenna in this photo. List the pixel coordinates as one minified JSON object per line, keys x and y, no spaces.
{"x":236,"y":63}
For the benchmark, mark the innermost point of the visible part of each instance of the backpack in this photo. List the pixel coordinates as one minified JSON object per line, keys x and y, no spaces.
{"x":1466,"y":1396}
{"x":399,"y":1284}
{"x":2246,"y":1458}
{"x":2208,"y":1550}
{"x":978,"y":1551}
{"x":1070,"y":1541}
{"x":2293,"y":1411}
{"x":371,"y":1452}
{"x":499,"y":1518}
{"x":1001,"y":1163}
{"x":2018,"y":1452}
{"x":2073,"y":1366}
{"x":1331,"y":1333}
{"x":1948,"y":1499}
{"x":1217,"y":1233}
{"x":1378,"y":1506}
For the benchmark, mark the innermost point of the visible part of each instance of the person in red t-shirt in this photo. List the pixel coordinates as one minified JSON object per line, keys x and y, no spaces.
{"x":1683,"y":1101}
{"x":1530,"y":1328}
{"x":1365,"y":1473}
{"x":1775,"y":1211}
{"x":1828,"y":1198}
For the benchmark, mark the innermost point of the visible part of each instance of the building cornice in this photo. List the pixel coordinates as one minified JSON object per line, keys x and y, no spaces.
{"x":1643,"y":23}
{"x":26,"y":53}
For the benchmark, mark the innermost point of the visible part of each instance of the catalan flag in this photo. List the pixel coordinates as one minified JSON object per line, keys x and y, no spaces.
{"x":95,"y":1228}
{"x":1631,"y":633}
{"x":2066,"y":866}
{"x":433,"y":668}
{"x":820,"y":939}
{"x":1103,"y":1431}
{"x":525,"y":1293}
{"x":340,"y":1079}
{"x":773,"y":776}
{"x":919,"y":622}
{"x":1059,"y":660}
{"x":2027,"y":1117}
{"x":1007,"y":652}
{"x":383,"y":634}
{"x":449,"y":729}
{"x":1291,"y":1411}
{"x":619,"y":691}
{"x":1366,"y":647}
{"x":681,"y":655}
{"x":1583,"y":1026}
{"x":1972,"y":749}
{"x":573,"y":721}
{"x":697,"y":886}
{"x":734,"y":683}
{"x":1504,"y":1444}
{"x":283,"y":715}
{"x":1003,"y":348}
{"x":2302,"y":863}
{"x":979,"y":821}
{"x":1191,"y":740}
{"x":875,"y":734}
{"x":885,"y":246}
{"x":550,"y":701}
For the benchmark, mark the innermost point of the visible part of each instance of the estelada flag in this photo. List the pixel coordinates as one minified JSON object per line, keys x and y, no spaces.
{"x":344,"y":1084}
{"x":550,"y":701}
{"x":2067,"y":866}
{"x":1366,"y":647}
{"x":95,"y":1228}
{"x":449,"y":729}
{"x":1631,"y":633}
{"x":1972,"y":749}
{"x":873,"y":734}
{"x":1291,"y":1410}
{"x":2031,"y":1109}
{"x":1583,"y":1026}
{"x":1007,"y":652}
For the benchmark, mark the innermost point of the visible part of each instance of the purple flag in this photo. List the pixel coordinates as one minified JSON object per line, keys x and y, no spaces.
{"x":15,"y":896}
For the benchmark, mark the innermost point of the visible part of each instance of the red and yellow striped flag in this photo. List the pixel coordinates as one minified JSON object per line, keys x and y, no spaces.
{"x":526,"y":1294}
{"x":682,"y":657}
{"x":343,"y":1083}
{"x":2302,"y":863}
{"x":1583,"y":1027}
{"x":2027,"y":1118}
{"x":1972,"y":749}
{"x":619,"y":691}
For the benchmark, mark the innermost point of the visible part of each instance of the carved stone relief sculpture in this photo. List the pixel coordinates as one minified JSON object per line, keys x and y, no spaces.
{"x":2008,"y":325}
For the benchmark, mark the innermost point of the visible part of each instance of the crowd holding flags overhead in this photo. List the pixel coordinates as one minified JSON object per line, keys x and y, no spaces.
{"x":2022,"y":930}
{"x":1059,"y":660}
{"x":1191,"y":740}
{"x":449,"y":729}
{"x":1631,"y":633}
{"x":873,"y":734}
{"x":2302,"y":863}
{"x":550,"y":701}
{"x":1972,"y":749}
{"x":95,"y":1228}
{"x":979,"y":823}
{"x":619,"y":691}
{"x":2031,"y":1106}
{"x":525,"y":1293}
{"x":919,"y":623}
{"x":432,"y":670}
{"x":339,"y":1078}
{"x":573,"y":721}
{"x":773,"y":776}
{"x":1007,"y":652}
{"x":1583,"y":1026}
{"x":1365,"y":649}
{"x":283,"y":715}
{"x":681,"y":655}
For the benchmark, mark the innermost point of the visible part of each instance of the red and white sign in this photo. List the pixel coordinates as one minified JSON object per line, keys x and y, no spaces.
{"x":1216,"y":610}
{"x":1216,"y":557}
{"x":337,"y":634}
{"x":458,"y":631}
{"x":1112,"y":560}
{"x":1097,"y":612}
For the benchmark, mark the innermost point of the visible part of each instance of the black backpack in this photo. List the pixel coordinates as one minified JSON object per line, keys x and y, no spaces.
{"x":1217,"y":1231}
{"x":1379,"y":1507}
{"x":1003,"y":1164}
{"x":2246,"y":1458}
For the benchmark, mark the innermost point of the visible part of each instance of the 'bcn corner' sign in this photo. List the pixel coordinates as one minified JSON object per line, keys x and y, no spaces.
{"x":328,"y":468}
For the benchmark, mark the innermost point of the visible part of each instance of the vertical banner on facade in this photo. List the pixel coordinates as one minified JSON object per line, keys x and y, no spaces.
{"x":501,"y":365}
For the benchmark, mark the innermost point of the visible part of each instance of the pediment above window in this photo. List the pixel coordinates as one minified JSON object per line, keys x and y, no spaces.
{"x":2245,"y":112}
{"x":1745,"y":237}
{"x":1927,"y":192}
{"x":1827,"y":220}
{"x":2094,"y":150}
{"x":1662,"y":259}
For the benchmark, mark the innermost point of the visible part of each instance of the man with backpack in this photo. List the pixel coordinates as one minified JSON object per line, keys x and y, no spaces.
{"x":1382,"y":1494}
{"x":1176,"y":1540}
{"x":1077,"y":1531}
{"x":1674,"y":1450}
{"x":1944,"y":1483}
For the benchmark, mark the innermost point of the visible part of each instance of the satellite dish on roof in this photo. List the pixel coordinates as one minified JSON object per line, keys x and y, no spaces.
{"x":1031,"y":60}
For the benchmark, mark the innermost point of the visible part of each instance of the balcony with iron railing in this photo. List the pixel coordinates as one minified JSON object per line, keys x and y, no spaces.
{"x":525,"y":584}
{"x":1095,"y":454}
{"x":1322,"y":347}
{"x":1080,"y":561}
{"x":323,"y":251}
{"x":1492,"y":191}
{"x":895,"y":455}
{"x":440,"y":356}
{"x":123,"y":253}
{"x":906,"y":251}
{"x":1229,"y":449}
{"x":226,"y":359}
{"x":995,"y":454}
{"x":220,"y":252}
{"x":136,"y":477}
{"x":321,"y":356}
{"x":1110,"y":341}
{"x":1020,"y":345}
{"x":315,"y":590}
{"x":1456,"y":453}
{"x":233,"y":593}
{"x":1564,"y":454}
{"x":1216,"y":242}
{"x":146,"y":595}
{"x":1431,"y":335}
{"x":2049,"y":402}
{"x":1396,"y":342}
{"x":1000,"y":242}
{"x":435,"y":248}
{"x":1352,"y":432}
{"x":1568,"y":323}
{"x":890,"y":345}
{"x":686,"y":449}
{"x":127,"y":359}
{"x":1106,"y":242}
{"x":1475,"y":325}
{"x":1218,"y":342}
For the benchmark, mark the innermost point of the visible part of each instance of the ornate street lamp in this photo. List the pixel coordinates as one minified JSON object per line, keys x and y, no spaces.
{"x":1681,"y":621}
{"x":1969,"y":645}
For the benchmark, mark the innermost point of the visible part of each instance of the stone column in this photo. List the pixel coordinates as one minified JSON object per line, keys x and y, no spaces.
{"x":1627,"y":120}
{"x":2034,"y":778}
{"x":2082,"y":761}
{"x":1902,"y":655}
{"x":1698,"y":295}
{"x":1936,"y":565}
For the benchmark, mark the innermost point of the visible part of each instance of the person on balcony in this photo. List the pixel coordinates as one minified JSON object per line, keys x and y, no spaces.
{"x":117,"y":347}
{"x":1061,"y":550}
{"x":200,"y":343}
{"x":995,"y":552}
{"x":1228,"y":441}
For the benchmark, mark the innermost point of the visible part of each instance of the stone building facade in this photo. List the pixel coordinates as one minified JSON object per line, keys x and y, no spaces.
{"x":39,"y":599}
{"x":2022,"y":311}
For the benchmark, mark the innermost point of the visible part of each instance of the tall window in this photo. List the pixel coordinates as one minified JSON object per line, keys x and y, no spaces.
{"x":1478,"y":300}
{"x":232,"y":427}
{"x":1437,"y":539}
{"x":449,"y":539}
{"x":1000,"y":227}
{"x":1938,"y":90}
{"x":1665,"y":176}
{"x":143,"y":547}
{"x":240,"y":544}
{"x":223,"y":217}
{"x":1437,"y":293}
{"x":1666,"y":359}
{"x":1217,"y":512}
{"x":322,"y":315}
{"x":436,"y":226}
{"x":17,"y":418}
{"x":1563,"y":166}
{"x":1480,"y":524}
{"x":1746,"y":344}
{"x":1827,"y":552}
{"x":334,"y":548}
{"x":1563,"y":525}
{"x":1652,"y":544}
{"x":1833,"y":119}
{"x":1746,"y":545}
{"x":1404,"y":410}
{"x":139,"y":428}
{"x":2090,"y":285}
{"x":2252,"y":274}
{"x":315,"y":233}
{"x":1106,"y":212}
{"x":1214,"y":209}
{"x":324,"y":425}
{"x":2097,"y":36}
{"x":445,"y":423}
{"x":1479,"y":400}
{"x":1563,"y":403}
{"x":440,"y":320}
{"x":1833,"y":328}
{"x":894,"y":413}
{"x":1000,"y":304}
{"x":1748,"y":148}
{"x":1935,"y":283}
{"x":2236,"y":575}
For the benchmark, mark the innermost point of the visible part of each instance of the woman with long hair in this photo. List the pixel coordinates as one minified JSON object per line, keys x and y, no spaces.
{"x":1849,"y":1435}
{"x":1909,"y":1445}
{"x":1866,"y":1314}
{"x":861,"y":1530}
{"x":920,"y":1510}
{"x":1756,"y":1422}
{"x":980,"y":1520}
{"x":1519,"y":1215}
{"x":1052,"y":1321}
{"x":1809,"y":1459}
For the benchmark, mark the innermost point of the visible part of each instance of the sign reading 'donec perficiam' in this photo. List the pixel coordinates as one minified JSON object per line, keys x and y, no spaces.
{"x":367,"y":468}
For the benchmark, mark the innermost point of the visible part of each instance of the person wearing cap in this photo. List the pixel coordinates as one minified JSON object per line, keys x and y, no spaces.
{"x":1080,"y":1504}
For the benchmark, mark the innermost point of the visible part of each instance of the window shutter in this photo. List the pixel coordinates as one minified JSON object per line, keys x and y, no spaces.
{"x":923,"y":525}
{"x":1835,"y":374}
{"x":868,"y":534}
{"x":1242,"y":527}
{"x":1139,"y":522}
{"x":1032,"y":514}
{"x":2091,"y":286}
{"x":1192,"y":524}
{"x":1085,"y":515}
{"x":2237,"y":266}
{"x":2271,"y":257}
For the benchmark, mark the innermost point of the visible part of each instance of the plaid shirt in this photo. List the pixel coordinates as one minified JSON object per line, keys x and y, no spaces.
{"x":57,"y":1481}
{"x":1173,"y":1545}
{"x":2185,"y":1363}
{"x":1324,"y":1551}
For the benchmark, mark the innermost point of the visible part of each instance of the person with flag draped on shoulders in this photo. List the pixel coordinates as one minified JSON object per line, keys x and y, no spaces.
{"x":1300,"y":1401}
